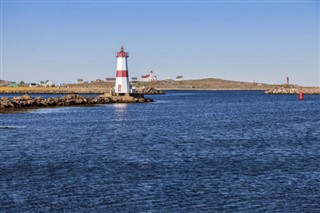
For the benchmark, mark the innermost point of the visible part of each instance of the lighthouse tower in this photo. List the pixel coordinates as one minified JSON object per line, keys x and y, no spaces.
{"x":122,"y":78}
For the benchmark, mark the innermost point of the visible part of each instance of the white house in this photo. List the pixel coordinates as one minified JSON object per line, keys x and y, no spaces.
{"x":179,"y":78}
{"x":46,"y":83}
{"x":134,"y":80}
{"x":80,"y":81}
{"x":150,"y":77}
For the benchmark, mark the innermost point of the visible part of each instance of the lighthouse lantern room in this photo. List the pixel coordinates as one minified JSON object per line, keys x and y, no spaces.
{"x":122,"y":86}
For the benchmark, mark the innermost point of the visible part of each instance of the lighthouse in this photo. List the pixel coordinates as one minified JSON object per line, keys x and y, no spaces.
{"x":122,"y":86}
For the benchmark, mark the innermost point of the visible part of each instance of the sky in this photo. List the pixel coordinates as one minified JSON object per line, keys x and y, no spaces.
{"x":255,"y":41}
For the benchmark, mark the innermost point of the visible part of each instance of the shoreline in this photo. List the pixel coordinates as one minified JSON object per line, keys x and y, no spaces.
{"x":156,"y":87}
{"x":273,"y":91}
{"x":208,"y":89}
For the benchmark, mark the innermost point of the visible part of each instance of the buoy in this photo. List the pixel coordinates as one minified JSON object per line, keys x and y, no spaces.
{"x":300,"y":95}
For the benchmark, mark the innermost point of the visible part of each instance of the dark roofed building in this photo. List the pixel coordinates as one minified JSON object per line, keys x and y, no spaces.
{"x":111,"y":79}
{"x":179,"y":78}
{"x":134,"y":80}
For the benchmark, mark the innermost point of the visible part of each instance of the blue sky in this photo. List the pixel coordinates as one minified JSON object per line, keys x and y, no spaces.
{"x":261,"y":41}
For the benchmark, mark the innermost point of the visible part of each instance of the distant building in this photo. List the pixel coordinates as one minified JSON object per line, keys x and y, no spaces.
{"x":22,"y":83}
{"x":179,"y":78}
{"x":46,"y":83}
{"x":288,"y":81}
{"x":33,"y":85}
{"x":134,"y":80}
{"x":13,"y":85}
{"x":4,"y":83}
{"x":150,"y":77}
{"x":113,"y":80}
{"x":49,"y":83}
{"x":99,"y":80}
{"x":80,"y":81}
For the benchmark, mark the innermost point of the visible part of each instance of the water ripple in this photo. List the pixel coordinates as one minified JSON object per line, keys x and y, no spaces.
{"x":187,"y":152}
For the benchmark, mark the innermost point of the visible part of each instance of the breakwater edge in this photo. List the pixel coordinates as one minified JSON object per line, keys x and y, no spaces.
{"x":28,"y":102}
{"x":287,"y":90}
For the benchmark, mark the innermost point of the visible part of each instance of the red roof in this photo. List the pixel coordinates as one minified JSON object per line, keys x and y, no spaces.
{"x":145,"y":76}
{"x":122,"y":53}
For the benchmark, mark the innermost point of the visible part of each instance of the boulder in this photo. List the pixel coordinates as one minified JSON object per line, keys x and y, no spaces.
{"x":149,"y":91}
{"x":105,"y":95}
{"x":26,"y":97}
{"x":72,"y":99}
{"x":141,"y":100}
{"x":71,"y":96}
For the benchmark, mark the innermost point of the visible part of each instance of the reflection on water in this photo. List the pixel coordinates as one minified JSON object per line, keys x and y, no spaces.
{"x":52,"y":110}
{"x":121,"y":107}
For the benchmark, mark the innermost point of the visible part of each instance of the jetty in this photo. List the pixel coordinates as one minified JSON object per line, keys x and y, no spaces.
{"x":293,"y":90}
{"x":149,"y":91}
{"x":28,"y":102}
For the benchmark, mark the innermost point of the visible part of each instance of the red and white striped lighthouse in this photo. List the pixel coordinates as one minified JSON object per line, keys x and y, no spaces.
{"x":122,"y":78}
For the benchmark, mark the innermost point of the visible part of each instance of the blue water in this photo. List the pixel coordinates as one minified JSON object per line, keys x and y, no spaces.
{"x":189,"y":151}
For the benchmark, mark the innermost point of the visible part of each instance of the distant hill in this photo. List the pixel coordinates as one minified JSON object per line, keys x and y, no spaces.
{"x":200,"y":84}
{"x":208,"y":84}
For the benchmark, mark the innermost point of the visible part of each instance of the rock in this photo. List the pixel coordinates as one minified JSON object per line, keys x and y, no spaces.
{"x":4,"y":99}
{"x":43,"y":103}
{"x":5,"y":103}
{"x":99,"y":100}
{"x":26,"y":97}
{"x":282,"y":90}
{"x":72,"y":99}
{"x":105,"y":95}
{"x":30,"y":102}
{"x":149,"y":91}
{"x":71,"y":96}
{"x":52,"y":101}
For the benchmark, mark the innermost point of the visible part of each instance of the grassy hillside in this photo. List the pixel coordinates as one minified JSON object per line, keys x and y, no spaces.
{"x":104,"y":87}
{"x":207,"y":84}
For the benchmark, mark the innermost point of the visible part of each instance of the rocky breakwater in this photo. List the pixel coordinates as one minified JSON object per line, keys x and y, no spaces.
{"x":149,"y":91}
{"x":26,"y":101}
{"x":287,"y":90}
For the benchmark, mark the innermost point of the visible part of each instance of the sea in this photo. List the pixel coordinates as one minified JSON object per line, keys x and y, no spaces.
{"x":188,"y":151}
